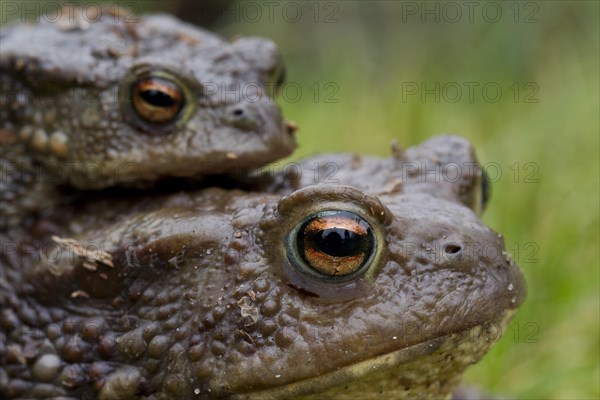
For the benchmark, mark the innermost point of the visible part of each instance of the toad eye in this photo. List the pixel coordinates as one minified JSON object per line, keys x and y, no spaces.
{"x":486,"y":189}
{"x":279,"y":76}
{"x":157,"y":100}
{"x":335,"y":243}
{"x":276,"y":78}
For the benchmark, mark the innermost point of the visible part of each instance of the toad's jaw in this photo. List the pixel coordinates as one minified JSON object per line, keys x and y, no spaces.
{"x":427,"y":370}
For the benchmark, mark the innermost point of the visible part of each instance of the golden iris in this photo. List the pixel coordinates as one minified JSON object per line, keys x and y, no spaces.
{"x":335,"y":243}
{"x":157,"y":100}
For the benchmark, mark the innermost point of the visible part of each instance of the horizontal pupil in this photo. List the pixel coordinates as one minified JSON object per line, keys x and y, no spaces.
{"x":337,"y":242}
{"x":157,"y":98}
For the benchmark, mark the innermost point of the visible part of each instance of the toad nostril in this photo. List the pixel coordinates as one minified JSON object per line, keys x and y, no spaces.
{"x":452,"y":248}
{"x":242,"y":116}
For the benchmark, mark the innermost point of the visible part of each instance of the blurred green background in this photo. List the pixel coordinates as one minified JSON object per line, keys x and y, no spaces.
{"x":518,"y":79}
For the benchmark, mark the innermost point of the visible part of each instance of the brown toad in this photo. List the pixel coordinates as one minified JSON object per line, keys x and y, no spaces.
{"x":380,"y":281}
{"x":126,"y":100}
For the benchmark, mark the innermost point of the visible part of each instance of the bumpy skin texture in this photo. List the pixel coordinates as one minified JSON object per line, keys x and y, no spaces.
{"x":205,"y":298}
{"x":68,"y":115}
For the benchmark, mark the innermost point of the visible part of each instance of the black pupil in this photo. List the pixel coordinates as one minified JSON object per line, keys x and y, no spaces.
{"x":337,"y":242}
{"x":157,"y":98}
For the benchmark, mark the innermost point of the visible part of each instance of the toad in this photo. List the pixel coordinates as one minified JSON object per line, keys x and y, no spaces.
{"x":124,"y":100}
{"x":378,"y":281}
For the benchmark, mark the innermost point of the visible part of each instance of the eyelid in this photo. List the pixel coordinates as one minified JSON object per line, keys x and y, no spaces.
{"x":316,"y":197}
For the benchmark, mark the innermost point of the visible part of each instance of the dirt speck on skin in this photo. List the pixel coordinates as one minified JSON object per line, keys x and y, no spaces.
{"x":91,"y":257}
{"x":248,"y":308}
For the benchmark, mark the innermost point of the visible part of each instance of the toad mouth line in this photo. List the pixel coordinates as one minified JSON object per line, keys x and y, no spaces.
{"x":345,"y":377}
